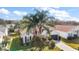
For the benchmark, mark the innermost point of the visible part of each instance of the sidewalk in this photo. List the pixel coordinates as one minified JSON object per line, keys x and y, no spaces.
{"x":64,"y":47}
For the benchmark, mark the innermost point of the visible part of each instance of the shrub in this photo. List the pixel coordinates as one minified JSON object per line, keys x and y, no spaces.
{"x":49,"y":38}
{"x":37,"y":42}
{"x":51,"y":45}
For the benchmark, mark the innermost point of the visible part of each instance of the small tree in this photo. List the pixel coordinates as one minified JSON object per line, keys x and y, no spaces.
{"x":51,"y":45}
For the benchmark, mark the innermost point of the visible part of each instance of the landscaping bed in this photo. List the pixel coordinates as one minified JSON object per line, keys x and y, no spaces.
{"x":17,"y":46}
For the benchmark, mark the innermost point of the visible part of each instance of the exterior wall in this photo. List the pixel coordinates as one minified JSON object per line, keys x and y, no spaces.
{"x":6,"y":31}
{"x":60,"y":33}
{"x":66,"y":34}
{"x":27,"y":39}
{"x":75,"y":30}
{"x":1,"y":39}
{"x":78,"y":33}
{"x":63,"y":34}
{"x":44,"y":33}
{"x":23,"y":38}
{"x":1,"y":36}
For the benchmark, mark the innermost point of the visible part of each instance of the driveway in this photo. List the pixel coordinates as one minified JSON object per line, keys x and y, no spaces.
{"x":64,"y":47}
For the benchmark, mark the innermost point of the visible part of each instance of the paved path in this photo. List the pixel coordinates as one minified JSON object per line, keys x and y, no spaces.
{"x":64,"y":47}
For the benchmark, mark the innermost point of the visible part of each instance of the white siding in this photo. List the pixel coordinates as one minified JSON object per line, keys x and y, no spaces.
{"x":23,"y":35}
{"x":1,"y":36}
{"x":63,"y":34}
{"x":76,"y":30}
{"x":1,"y":39}
{"x":6,"y":31}
{"x":54,"y":32}
{"x":60,"y":33}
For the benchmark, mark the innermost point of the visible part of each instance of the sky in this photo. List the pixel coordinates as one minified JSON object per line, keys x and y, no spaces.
{"x":62,"y":13}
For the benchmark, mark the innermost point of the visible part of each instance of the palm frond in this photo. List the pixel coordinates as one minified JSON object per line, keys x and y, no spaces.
{"x":28,"y":18}
{"x":46,"y":28}
{"x":30,"y":26}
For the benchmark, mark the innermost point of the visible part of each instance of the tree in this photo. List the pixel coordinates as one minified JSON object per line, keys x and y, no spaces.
{"x":51,"y":44}
{"x":37,"y":21}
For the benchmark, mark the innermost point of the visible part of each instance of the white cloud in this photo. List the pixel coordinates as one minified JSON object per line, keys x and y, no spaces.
{"x":56,"y":12}
{"x":45,"y":8}
{"x":69,"y":18}
{"x":74,"y":19}
{"x":61,"y":14}
{"x":19,"y":13}
{"x":4,"y":11}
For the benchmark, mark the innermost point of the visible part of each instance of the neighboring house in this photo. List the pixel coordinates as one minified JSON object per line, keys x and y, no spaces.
{"x":66,"y":31}
{"x":10,"y":26}
{"x":3,"y":32}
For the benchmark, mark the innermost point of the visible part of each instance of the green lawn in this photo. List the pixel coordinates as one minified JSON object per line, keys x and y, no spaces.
{"x":72,"y":43}
{"x":16,"y":46}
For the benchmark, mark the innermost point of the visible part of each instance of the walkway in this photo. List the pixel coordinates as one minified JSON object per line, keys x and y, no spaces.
{"x":64,"y":47}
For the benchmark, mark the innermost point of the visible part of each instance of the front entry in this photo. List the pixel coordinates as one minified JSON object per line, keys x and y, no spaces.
{"x":56,"y":37}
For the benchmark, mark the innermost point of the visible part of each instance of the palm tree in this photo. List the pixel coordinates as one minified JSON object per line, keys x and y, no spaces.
{"x":37,"y":21}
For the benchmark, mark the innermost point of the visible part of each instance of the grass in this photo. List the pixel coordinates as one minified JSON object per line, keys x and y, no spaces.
{"x":75,"y":46}
{"x":16,"y":46}
{"x":55,"y":49}
{"x":72,"y":43}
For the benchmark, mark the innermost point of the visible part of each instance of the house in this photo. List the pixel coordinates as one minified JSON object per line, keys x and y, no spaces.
{"x":3,"y":32}
{"x":66,"y":31}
